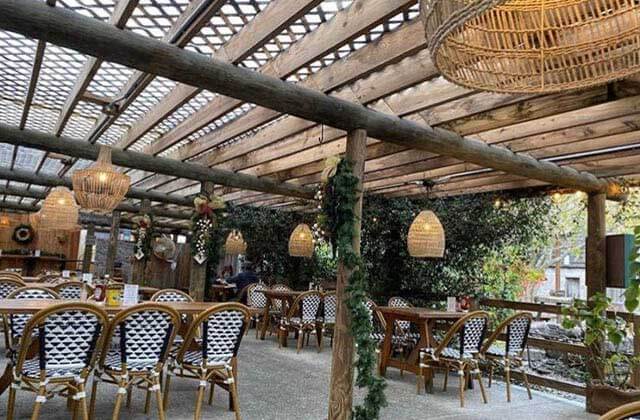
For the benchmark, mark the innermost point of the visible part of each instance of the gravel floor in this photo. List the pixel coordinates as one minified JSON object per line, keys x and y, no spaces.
{"x":280,"y":384}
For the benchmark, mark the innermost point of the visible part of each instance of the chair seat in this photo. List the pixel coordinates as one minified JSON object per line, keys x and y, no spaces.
{"x":297,"y":322}
{"x":396,"y":339}
{"x":447,"y":353}
{"x":195,"y":358}
{"x":31,"y":369}
{"x":113,"y":362}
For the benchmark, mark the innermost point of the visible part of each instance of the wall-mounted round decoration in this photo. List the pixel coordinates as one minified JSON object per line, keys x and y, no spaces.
{"x":23,"y":234}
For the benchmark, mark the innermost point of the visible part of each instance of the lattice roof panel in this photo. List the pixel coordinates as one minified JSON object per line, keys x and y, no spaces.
{"x":16,"y":56}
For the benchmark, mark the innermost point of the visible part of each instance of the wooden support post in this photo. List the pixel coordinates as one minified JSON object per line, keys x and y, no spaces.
{"x":596,"y":245}
{"x":198,"y":275}
{"x":341,"y":388}
{"x":112,"y":250}
{"x":89,"y":241}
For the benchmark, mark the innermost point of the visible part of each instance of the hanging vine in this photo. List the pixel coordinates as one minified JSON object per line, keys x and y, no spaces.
{"x":143,"y":233}
{"x":339,"y":200}
{"x":206,"y":236}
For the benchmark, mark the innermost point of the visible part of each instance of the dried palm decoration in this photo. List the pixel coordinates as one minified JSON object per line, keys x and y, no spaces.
{"x":533,"y":46}
{"x":235,"y":244}
{"x":100,"y":186}
{"x":59,"y":211}
{"x":301,"y":241}
{"x":426,"y":236}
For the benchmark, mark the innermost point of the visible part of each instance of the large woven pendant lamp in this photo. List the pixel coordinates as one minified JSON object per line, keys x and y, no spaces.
{"x":301,"y":241}
{"x":100,"y":186}
{"x":235,"y":244}
{"x":59,"y":211}
{"x":426,"y":236}
{"x":533,"y":46}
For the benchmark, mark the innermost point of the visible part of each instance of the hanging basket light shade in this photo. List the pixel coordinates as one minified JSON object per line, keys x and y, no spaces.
{"x":235,"y":244}
{"x":533,"y":46}
{"x":100,"y":186}
{"x":59,"y":211}
{"x":426,"y":236}
{"x":301,"y":241}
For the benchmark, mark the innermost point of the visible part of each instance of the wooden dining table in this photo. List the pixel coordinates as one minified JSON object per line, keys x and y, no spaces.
{"x":286,"y":297}
{"x":222,"y":292}
{"x":31,"y":306}
{"x":425,"y":319}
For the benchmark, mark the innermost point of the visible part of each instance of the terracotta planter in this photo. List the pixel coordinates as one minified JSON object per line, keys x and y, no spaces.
{"x":602,"y":398}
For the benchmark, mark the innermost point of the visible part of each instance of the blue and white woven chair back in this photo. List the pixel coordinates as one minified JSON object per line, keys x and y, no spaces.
{"x":71,"y":291}
{"x":330,"y":308}
{"x":17,"y":322}
{"x":310,"y":307}
{"x":473,"y":333}
{"x":8,"y":286}
{"x":255,"y":297}
{"x":144,"y":337}
{"x":222,"y":332}
{"x":517,"y":334}
{"x":398,"y":302}
{"x":68,"y":340}
{"x":170,"y":296}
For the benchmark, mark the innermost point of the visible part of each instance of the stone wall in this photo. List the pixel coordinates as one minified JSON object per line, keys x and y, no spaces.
{"x":125,"y":251}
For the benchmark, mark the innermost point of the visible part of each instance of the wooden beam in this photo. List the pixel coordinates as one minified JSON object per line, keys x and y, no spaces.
{"x":129,"y":159}
{"x":269,"y":22}
{"x":121,"y":14}
{"x":341,"y":387}
{"x":89,"y":36}
{"x":27,"y":177}
{"x":198,"y":272}
{"x":596,"y":269}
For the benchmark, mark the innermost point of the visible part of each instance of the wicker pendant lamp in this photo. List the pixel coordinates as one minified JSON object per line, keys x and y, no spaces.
{"x":426,"y":236}
{"x":301,"y":241}
{"x":235,"y":244}
{"x":100,"y":186}
{"x":59,"y":211}
{"x":533,"y":46}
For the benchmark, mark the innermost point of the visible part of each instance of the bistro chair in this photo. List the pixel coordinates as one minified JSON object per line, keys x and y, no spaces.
{"x":278,"y":308}
{"x":15,"y":323}
{"x":71,"y":289}
{"x":302,"y":318}
{"x":256,"y":302}
{"x":11,"y":275}
{"x":458,"y":351}
{"x":629,"y":411}
{"x":8,"y":285}
{"x":134,"y":353}
{"x":404,"y":339}
{"x":210,"y":351}
{"x":175,"y":295}
{"x":515,"y":330}
{"x":67,"y":337}
{"x":329,"y":312}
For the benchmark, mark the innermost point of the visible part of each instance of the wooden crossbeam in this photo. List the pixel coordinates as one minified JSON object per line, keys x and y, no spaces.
{"x":270,"y":21}
{"x":89,"y":36}
{"x":129,"y":159}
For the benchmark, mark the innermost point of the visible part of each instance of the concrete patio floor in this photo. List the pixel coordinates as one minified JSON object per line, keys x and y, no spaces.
{"x":280,"y":384}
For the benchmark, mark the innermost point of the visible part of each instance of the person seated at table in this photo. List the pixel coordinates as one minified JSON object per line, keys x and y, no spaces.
{"x":245,"y":277}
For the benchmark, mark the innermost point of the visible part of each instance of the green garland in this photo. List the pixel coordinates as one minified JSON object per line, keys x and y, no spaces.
{"x":206,"y":238}
{"x":143,"y":234}
{"x":340,"y":199}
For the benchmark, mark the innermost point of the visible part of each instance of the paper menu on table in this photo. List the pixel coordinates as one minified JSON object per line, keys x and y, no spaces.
{"x":130,"y":294}
{"x":87,"y":277}
{"x":66,"y":274}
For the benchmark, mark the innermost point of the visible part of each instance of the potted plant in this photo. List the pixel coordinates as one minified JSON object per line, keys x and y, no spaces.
{"x":609,"y":366}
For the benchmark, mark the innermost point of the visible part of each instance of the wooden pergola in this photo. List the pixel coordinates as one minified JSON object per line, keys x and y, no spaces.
{"x":249,"y":97}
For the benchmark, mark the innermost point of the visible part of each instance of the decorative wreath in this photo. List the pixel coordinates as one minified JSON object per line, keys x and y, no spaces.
{"x":23,"y":234}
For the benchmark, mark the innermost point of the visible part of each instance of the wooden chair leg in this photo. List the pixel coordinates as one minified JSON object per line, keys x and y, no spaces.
{"x":233,"y":390}
{"x":40,"y":398}
{"x":165,"y":399}
{"x":490,"y":374}
{"x":478,"y":376}
{"x":129,"y":393}
{"x":526,"y":382}
{"x":300,"y":340}
{"x":507,"y":377}
{"x":82,"y":402}
{"x":158,"y":392}
{"x":147,"y":400}
{"x":122,"y":389}
{"x":462,"y":377}
{"x":92,"y":402}
{"x":419,"y":378}
{"x":446,"y":378}
{"x":213,"y":385}
{"x":319,"y":341}
{"x":200,"y":397}
{"x":12,"y":402}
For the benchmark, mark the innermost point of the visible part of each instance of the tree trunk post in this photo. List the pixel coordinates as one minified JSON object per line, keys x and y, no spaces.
{"x":89,"y":241}
{"x":198,"y":273}
{"x":112,"y":250}
{"x":341,"y":388}
{"x":596,"y":268}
